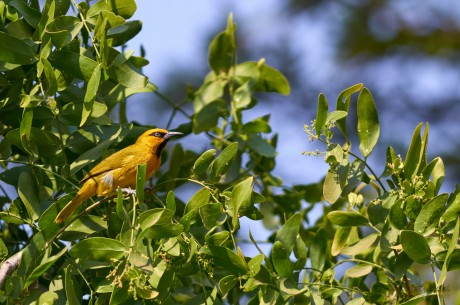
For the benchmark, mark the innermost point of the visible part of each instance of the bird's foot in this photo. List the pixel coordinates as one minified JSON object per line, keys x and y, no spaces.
{"x":128,"y":191}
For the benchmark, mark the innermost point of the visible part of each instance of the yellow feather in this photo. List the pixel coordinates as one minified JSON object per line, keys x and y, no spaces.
{"x":120,"y":169}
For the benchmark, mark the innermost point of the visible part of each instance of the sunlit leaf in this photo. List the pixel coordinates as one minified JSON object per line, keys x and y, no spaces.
{"x":202,"y":162}
{"x":98,"y":248}
{"x":359,"y":270}
{"x":347,"y":218}
{"x":430,"y":214}
{"x":222,"y":163}
{"x":368,"y":123}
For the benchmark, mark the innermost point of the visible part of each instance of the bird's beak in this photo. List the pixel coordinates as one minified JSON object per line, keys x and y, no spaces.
{"x":171,"y":134}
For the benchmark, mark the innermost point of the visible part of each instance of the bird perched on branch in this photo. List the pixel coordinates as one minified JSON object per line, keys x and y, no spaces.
{"x":120,"y":169}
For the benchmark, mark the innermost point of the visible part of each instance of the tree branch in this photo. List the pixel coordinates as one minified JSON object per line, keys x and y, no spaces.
{"x":9,"y":266}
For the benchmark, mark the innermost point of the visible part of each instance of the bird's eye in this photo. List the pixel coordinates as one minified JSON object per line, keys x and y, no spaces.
{"x":158,"y":134}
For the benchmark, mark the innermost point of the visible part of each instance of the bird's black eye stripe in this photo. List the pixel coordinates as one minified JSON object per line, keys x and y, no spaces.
{"x":158,"y":134}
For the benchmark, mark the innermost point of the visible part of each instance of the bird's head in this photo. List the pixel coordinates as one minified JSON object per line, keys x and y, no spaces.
{"x":156,"y":139}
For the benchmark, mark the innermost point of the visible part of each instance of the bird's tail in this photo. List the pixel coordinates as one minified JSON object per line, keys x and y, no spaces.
{"x":88,"y":190}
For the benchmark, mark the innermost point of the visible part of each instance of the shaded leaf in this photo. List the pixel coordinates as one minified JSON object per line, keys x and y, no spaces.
{"x":222,"y":163}
{"x":28,"y":194}
{"x":415,"y":246}
{"x":280,"y":258}
{"x":321,"y":114}
{"x":229,"y":260}
{"x":287,"y":235}
{"x":318,"y":250}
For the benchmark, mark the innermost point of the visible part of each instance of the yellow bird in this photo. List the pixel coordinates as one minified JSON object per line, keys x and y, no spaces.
{"x":120,"y":169}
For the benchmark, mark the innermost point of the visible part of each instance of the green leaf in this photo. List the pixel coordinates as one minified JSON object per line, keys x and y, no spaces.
{"x":242,"y":97}
{"x":87,"y":138}
{"x":63,"y":30}
{"x":415,"y":157}
{"x":420,"y":299}
{"x":334,"y":116}
{"x":25,"y":130}
{"x":46,"y":263}
{"x":321,"y":114}
{"x":358,"y":270}
{"x":429,"y":215}
{"x":347,"y":218}
{"x":453,"y":210}
{"x":171,"y":202}
{"x":241,"y":200}
{"x":95,"y":153}
{"x":449,"y":255}
{"x":212,"y":215}
{"x":72,"y":288}
{"x":200,"y":198}
{"x":28,"y":193}
{"x":222,"y":163}
{"x":90,"y":94}
{"x":202,"y":162}
{"x":227,"y":283}
{"x":318,"y":250}
{"x":52,"y":86}
{"x":140,"y":181}
{"x":267,"y":78}
{"x":120,"y":208}
{"x":160,"y":231}
{"x":218,"y":239}
{"x":98,"y":249}
{"x":123,"y":8}
{"x":343,"y":103}
{"x":154,"y":217}
{"x":3,"y":250}
{"x":229,"y":260}
{"x":340,"y":240}
{"x":360,"y":247}
{"x":280,"y":258}
{"x":397,"y":217}
{"x":124,"y":32}
{"x":287,"y":235}
{"x":122,"y":58}
{"x":258,"y":125}
{"x":83,"y":226}
{"x":415,"y":246}
{"x":368,"y":123}
{"x":222,"y":48}
{"x":260,"y":146}
{"x":30,"y":14}
{"x":127,"y":75}
{"x":208,"y":116}
{"x":402,"y":265}
{"x":210,"y":91}
{"x":255,"y":264}
{"x":453,"y":259}
{"x":75,"y":64}
{"x":48,"y":298}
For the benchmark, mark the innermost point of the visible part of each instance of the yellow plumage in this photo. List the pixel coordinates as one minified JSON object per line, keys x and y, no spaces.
{"x":120,"y":169}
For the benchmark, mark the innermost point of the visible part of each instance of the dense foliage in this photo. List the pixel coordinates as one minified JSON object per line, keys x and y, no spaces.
{"x":61,"y":75}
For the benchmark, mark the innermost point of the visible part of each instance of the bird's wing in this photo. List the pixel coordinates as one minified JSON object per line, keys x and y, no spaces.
{"x":112,"y":162}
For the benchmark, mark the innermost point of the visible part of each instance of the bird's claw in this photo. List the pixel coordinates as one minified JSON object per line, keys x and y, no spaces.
{"x":128,"y":191}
